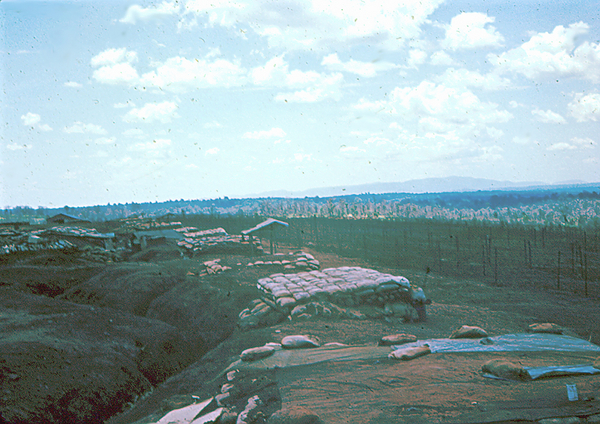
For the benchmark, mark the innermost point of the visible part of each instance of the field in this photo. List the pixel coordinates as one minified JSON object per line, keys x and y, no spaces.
{"x":515,"y":255}
{"x":127,"y":341}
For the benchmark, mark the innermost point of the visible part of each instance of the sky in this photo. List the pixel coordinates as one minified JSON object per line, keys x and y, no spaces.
{"x":119,"y":101}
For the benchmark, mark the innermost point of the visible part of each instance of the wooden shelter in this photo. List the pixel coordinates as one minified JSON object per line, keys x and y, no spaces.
{"x":267,"y":225}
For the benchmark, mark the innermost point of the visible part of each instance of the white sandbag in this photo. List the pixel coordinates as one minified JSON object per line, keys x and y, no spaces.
{"x":256,"y":353}
{"x":387,"y":287}
{"x":408,"y":353}
{"x":301,"y":295}
{"x":468,"y":332}
{"x":397,"y":339}
{"x":285,"y":302}
{"x":546,"y":327}
{"x":299,"y":342}
{"x":366,"y":284}
{"x":504,"y":369}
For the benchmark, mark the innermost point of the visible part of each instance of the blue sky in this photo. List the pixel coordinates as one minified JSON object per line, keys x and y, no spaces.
{"x":122,"y":101}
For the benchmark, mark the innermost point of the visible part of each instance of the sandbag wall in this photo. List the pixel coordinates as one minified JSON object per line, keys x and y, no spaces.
{"x":216,"y":241}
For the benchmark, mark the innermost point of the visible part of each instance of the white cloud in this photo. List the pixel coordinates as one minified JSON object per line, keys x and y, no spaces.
{"x":465,"y":78}
{"x":133,"y":132}
{"x":317,"y":25}
{"x":514,"y":104}
{"x":116,"y":74}
{"x":113,"y":57}
{"x":81,"y":128}
{"x":212,"y":151}
{"x":105,"y":140}
{"x":376,"y":140}
{"x":548,"y":117}
{"x":495,"y":133}
{"x":416,"y":58}
{"x":441,"y":58}
{"x":179,"y":74}
{"x":213,"y":124}
{"x":351,"y":149}
{"x":15,"y":146}
{"x":373,"y":106}
{"x":72,"y":84}
{"x":261,"y":135}
{"x":137,"y":13}
{"x":364,"y":69}
{"x":163,"y":112}
{"x":310,"y":86}
{"x":585,"y":107}
{"x":33,"y":120}
{"x":553,"y":54}
{"x":561,"y":146}
{"x":455,"y":105}
{"x":318,"y":87}
{"x":30,"y":119}
{"x":301,"y":157}
{"x":489,"y":154}
{"x":585,"y":143}
{"x":471,"y":31}
{"x":115,"y":66}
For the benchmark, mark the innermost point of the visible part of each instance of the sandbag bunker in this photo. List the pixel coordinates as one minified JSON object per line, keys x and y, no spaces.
{"x":347,"y":286}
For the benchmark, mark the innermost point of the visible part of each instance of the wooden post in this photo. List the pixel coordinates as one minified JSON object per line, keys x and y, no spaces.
{"x":457,"y":255}
{"x":586,"y":276}
{"x":558,"y":272}
{"x":271,"y":237}
{"x":439,"y":248}
{"x":483,"y":259}
{"x":495,"y":265}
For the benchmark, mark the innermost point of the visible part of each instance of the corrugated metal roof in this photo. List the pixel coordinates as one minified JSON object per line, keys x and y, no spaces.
{"x":265,"y":224}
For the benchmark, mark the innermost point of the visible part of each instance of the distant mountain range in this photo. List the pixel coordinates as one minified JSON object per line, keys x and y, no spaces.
{"x":425,"y":185}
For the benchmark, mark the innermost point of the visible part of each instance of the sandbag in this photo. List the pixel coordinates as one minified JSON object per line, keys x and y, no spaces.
{"x":397,"y":339}
{"x":408,"y":353}
{"x":256,"y":353}
{"x":468,"y":332}
{"x":505,"y":369}
{"x":547,"y":327}
{"x":299,"y":342}
{"x":284,"y":302}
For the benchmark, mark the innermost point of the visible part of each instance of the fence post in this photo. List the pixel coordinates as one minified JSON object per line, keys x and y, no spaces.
{"x":457,"y":255}
{"x":586,"y":275}
{"x":495,"y":265}
{"x":558,"y":272}
{"x":483,"y":259}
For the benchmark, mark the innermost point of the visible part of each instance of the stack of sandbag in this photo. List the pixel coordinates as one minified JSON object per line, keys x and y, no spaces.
{"x":214,"y":267}
{"x":260,"y":313}
{"x":345,"y":285}
{"x":295,"y":260}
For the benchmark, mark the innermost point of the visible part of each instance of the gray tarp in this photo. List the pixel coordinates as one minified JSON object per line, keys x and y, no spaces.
{"x":560,"y":370}
{"x":521,"y":342}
